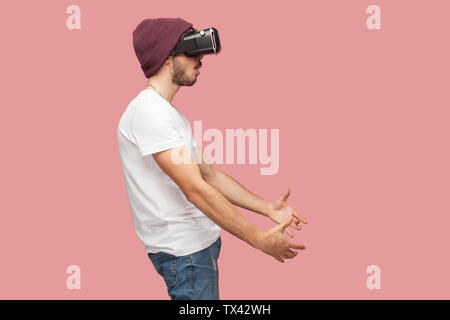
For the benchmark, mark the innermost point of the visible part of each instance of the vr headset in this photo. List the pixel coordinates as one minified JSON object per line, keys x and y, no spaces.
{"x":194,"y":43}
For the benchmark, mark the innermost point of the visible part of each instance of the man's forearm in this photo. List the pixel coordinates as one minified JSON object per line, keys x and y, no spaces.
{"x":237,"y":194}
{"x":215,"y":206}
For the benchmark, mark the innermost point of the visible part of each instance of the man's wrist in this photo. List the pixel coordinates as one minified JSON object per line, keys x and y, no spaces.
{"x":256,"y":239}
{"x":268,"y":209}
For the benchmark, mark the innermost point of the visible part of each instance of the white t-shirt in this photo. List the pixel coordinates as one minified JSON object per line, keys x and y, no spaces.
{"x":163,"y":218}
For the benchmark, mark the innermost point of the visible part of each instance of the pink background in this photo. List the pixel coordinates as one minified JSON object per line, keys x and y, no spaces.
{"x":364,"y":144}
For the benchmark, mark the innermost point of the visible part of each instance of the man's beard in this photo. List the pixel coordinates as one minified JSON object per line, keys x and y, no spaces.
{"x":180,"y":77}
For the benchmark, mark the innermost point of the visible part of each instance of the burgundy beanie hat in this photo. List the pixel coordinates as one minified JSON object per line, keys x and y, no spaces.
{"x":154,"y":39}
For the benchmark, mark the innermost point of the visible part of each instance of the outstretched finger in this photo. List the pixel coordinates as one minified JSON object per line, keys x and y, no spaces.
{"x":295,"y":225}
{"x":289,"y":255}
{"x":296,"y":246}
{"x":286,"y":195}
{"x":289,"y":233}
{"x":299,"y":217}
{"x":286,"y":224}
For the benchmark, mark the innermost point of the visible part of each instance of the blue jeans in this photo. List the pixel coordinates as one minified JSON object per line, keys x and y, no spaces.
{"x":191,"y":277}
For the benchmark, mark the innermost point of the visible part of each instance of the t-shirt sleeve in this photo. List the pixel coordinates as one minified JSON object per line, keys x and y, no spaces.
{"x":155,"y":130}
{"x":194,"y":143}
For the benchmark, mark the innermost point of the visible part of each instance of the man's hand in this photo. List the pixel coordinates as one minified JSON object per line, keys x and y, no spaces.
{"x":280,"y":210}
{"x":274,"y":243}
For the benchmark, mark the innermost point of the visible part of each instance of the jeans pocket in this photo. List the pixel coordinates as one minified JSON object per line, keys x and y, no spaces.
{"x":166,"y":266}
